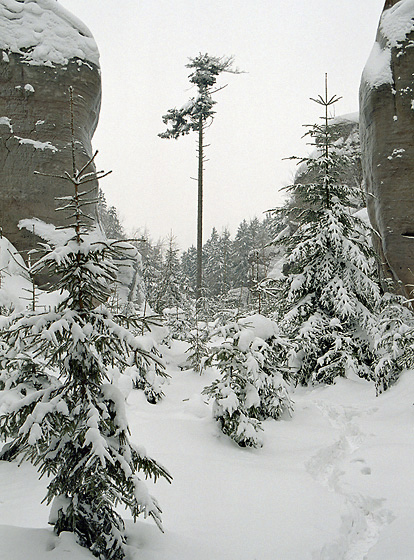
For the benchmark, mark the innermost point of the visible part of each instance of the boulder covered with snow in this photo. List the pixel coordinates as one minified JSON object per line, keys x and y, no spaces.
{"x":43,"y":51}
{"x":387,"y":140}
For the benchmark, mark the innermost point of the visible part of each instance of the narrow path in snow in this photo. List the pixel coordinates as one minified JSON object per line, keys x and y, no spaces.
{"x":361,"y":527}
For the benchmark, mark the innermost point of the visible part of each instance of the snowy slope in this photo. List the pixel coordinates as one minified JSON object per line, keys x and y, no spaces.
{"x":332,"y":483}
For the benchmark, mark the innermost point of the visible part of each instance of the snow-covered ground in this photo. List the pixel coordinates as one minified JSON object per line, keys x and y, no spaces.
{"x":334,"y":482}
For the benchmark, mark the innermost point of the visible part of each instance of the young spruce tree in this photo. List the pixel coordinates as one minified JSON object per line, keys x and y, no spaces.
{"x":75,"y":430}
{"x":394,"y":344}
{"x":252,"y":386}
{"x":328,"y":296}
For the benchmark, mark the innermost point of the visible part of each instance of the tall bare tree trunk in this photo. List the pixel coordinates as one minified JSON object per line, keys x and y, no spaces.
{"x":199,"y":280}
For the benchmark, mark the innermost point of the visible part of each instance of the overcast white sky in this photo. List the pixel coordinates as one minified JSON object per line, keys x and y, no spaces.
{"x":285,"y":47}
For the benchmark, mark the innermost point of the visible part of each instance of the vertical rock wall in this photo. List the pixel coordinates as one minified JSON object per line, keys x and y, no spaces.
{"x":43,"y":51}
{"x":387,"y":140}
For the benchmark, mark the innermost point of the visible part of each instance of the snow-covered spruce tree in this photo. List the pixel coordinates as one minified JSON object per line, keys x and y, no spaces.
{"x":172,"y":300}
{"x":146,"y":377}
{"x":211,"y":264}
{"x":394,"y":341}
{"x":189,"y":270}
{"x":77,"y":432}
{"x":146,"y":370}
{"x":109,"y":218}
{"x":224,"y":257}
{"x":152,"y":262}
{"x":21,"y":375}
{"x":198,"y":350}
{"x":178,"y":321}
{"x":252,"y":386}
{"x":328,"y":294}
{"x":168,"y":290}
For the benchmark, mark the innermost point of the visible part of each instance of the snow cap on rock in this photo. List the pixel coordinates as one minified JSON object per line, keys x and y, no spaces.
{"x":45,"y":33}
{"x":397,"y":21}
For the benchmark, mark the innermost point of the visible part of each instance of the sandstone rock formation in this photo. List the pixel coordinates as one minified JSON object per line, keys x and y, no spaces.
{"x":43,"y":51}
{"x":387,"y":139}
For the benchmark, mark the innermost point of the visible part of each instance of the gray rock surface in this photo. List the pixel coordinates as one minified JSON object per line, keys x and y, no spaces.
{"x":43,"y":51}
{"x":387,"y":140}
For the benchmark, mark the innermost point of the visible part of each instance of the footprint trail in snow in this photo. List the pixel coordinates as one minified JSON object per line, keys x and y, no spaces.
{"x":366,"y":516}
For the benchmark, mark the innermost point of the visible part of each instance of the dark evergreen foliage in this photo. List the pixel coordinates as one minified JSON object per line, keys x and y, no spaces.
{"x":109,"y":218}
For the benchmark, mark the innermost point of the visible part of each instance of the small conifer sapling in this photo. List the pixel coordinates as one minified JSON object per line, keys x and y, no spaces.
{"x":75,"y":431}
{"x":253,"y":383}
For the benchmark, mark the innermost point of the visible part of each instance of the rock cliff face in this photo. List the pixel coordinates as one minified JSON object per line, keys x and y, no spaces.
{"x":43,"y":51}
{"x":387,"y":139}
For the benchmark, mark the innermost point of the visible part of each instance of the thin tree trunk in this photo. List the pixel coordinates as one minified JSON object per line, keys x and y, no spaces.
{"x":199,"y":282}
{"x":328,"y":194}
